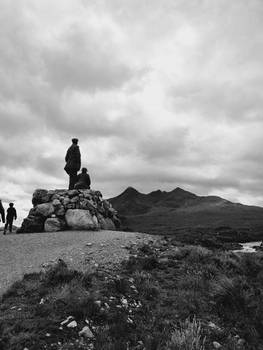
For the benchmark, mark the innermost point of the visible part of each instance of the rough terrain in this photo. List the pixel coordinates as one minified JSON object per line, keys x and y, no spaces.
{"x":20,"y":254}
{"x":166,"y":296}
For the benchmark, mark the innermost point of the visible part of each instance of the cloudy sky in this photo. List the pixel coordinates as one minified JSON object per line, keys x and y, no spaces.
{"x":160,"y":93}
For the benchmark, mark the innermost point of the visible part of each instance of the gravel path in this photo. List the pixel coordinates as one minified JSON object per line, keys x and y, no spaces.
{"x":25,"y":253}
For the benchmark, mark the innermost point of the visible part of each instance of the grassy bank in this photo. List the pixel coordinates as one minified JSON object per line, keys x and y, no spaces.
{"x":164,"y":297}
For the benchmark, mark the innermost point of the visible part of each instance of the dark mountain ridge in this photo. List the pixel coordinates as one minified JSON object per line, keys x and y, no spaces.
{"x":165,"y":212}
{"x":133,"y":202}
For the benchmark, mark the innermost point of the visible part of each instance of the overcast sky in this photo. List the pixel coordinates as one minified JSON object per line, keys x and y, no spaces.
{"x":160,"y":93}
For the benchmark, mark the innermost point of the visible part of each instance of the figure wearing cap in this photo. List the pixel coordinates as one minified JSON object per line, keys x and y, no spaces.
{"x":73,"y":163}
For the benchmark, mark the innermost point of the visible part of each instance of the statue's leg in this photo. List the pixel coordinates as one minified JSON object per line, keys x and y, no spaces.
{"x":72,"y":180}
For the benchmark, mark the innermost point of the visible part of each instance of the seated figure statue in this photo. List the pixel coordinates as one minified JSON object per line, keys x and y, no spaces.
{"x":83,"y":180}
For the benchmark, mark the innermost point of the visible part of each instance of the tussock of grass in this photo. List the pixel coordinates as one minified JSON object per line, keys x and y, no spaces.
{"x":71,"y":298}
{"x":187,"y":337}
{"x":228,"y":261}
{"x":58,"y":274}
{"x":226,"y":290}
{"x":147,"y":287}
{"x":198,"y":254}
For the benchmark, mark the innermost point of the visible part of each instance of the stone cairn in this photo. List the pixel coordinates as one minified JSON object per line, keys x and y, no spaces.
{"x":58,"y":210}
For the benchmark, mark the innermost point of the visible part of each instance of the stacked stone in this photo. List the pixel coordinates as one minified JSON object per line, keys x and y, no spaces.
{"x":57,"y":210}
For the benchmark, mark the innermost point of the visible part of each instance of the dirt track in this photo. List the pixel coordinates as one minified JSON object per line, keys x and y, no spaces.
{"x":25,"y":253}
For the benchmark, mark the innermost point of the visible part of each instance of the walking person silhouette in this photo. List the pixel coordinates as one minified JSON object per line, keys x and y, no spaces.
{"x":2,"y":212}
{"x":10,"y":216}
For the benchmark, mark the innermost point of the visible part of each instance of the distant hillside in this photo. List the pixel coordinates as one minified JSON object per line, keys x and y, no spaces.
{"x":179,"y":210}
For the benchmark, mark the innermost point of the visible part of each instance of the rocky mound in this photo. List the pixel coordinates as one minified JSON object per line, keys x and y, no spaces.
{"x":57,"y":210}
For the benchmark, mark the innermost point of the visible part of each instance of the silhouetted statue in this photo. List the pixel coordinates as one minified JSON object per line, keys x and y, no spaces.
{"x":10,"y":216}
{"x":2,"y":211}
{"x":73,"y":163}
{"x":83,"y":180}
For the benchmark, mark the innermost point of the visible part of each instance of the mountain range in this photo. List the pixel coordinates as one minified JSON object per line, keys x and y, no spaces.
{"x":179,"y":210}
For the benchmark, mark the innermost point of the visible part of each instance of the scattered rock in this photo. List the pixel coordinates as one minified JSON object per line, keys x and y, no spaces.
{"x":129,"y":320}
{"x":70,"y":318}
{"x":86,"y":332}
{"x":72,"y":324}
{"x":217,"y":345}
{"x":124,"y":302}
{"x":214,"y":326}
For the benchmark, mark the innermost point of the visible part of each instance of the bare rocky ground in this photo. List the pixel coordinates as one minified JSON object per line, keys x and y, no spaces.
{"x":26,"y":253}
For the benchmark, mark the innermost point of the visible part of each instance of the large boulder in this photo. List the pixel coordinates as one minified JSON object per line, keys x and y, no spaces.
{"x":54,"y":225}
{"x":45,"y":209}
{"x":80,"y":219}
{"x":40,"y":196}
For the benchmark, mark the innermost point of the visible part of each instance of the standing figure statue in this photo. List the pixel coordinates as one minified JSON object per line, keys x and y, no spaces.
{"x":73,"y":163}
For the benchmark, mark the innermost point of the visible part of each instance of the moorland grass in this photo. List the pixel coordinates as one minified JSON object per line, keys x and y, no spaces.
{"x":164,"y":297}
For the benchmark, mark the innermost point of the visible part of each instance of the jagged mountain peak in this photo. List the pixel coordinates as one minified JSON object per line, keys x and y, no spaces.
{"x":156,"y":192}
{"x":130,"y":190}
{"x":129,"y":193}
{"x":181,"y":190}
